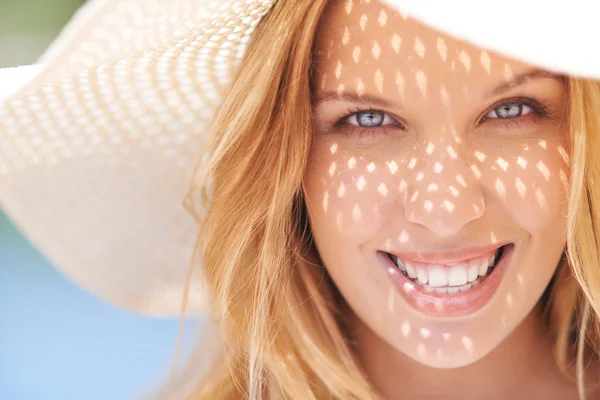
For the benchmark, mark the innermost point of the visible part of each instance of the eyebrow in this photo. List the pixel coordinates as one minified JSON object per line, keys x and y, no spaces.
{"x":376,"y":101}
{"x":522,"y":79}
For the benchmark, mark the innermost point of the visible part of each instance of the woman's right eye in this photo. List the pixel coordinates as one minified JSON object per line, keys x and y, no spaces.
{"x":370,"y":119}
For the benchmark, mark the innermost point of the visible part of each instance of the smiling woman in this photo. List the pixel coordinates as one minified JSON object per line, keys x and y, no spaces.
{"x":387,"y":211}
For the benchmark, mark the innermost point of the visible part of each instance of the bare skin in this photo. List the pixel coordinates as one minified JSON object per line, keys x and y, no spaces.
{"x":427,"y":145}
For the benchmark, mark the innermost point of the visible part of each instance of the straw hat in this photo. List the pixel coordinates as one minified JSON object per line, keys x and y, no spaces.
{"x":99,"y":140}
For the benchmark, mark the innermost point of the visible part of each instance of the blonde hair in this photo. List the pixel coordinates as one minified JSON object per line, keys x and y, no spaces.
{"x":280,"y":316}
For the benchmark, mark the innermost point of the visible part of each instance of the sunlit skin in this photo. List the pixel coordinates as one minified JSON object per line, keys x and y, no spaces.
{"x":441,"y":171}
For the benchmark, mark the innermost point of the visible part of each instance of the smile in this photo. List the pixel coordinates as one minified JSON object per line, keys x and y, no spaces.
{"x":441,"y":285}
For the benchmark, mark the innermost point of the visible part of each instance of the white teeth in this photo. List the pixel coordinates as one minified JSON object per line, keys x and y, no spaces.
{"x":400,"y":265}
{"x":491,"y":260}
{"x":453,"y":290}
{"x":441,"y":290}
{"x":438,"y":276}
{"x":422,"y":275}
{"x":483,"y":268}
{"x":473,"y":272}
{"x":410,"y":270}
{"x":457,"y":275}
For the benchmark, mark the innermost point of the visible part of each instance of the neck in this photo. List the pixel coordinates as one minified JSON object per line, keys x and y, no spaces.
{"x":519,"y":364}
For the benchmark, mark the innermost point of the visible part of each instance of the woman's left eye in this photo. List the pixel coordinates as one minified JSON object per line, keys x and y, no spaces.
{"x":370,"y":119}
{"x":509,"y":110}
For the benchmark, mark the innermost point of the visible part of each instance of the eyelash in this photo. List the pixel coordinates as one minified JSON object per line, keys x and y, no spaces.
{"x":539,"y":110}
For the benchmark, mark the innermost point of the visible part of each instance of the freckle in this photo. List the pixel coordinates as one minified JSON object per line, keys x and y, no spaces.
{"x":461,"y":180}
{"x":428,"y":205}
{"x":421,"y":82}
{"x":480,"y":156}
{"x":543,"y":169}
{"x":486,"y":62}
{"x":349,"y":5}
{"x":340,"y":89}
{"x":346,"y":37}
{"x":419,"y":47}
{"x":502,"y":163}
{"x":414,"y":197}
{"x":338,"y":69}
{"x":522,"y":162}
{"x":465,"y":60}
{"x":455,"y":192}
{"x":363,"y":22}
{"x":351,"y":162}
{"x":396,"y":42}
{"x":379,"y":80}
{"x":333,"y":148}
{"x":325,"y":201}
{"x":419,"y":177}
{"x":449,"y":205}
{"x":371,"y":167}
{"x":341,"y":190}
{"x":520,"y":187}
{"x":451,"y":152}
{"x":382,"y":18}
{"x":476,"y":171}
{"x":442,"y":49}
{"x":360,"y":185}
{"x":356,"y":214}
{"x":432,"y":187}
{"x":393,"y":167}
{"x":360,"y":87}
{"x":500,"y":188}
{"x":332,"y":168}
{"x":382,"y":189}
{"x":400,"y":84}
{"x":376,"y":50}
{"x":412,"y":163}
{"x":437,"y":168}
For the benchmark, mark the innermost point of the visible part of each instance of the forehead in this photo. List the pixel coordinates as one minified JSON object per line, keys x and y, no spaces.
{"x":368,"y":47}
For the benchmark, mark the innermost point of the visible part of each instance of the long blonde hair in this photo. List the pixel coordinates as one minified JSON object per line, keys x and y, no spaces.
{"x":280,"y":317}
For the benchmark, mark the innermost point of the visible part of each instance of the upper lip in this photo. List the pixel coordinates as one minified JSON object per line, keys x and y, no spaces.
{"x":449,"y":257}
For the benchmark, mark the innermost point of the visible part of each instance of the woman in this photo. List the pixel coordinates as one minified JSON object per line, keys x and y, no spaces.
{"x":396,"y":213}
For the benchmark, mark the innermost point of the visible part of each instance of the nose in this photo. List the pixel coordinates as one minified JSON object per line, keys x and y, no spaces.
{"x":444,"y":193}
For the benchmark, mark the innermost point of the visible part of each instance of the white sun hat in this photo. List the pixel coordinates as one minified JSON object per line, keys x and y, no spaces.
{"x":99,"y":140}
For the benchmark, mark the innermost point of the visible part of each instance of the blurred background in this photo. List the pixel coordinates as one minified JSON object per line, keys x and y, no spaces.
{"x":57,"y":342}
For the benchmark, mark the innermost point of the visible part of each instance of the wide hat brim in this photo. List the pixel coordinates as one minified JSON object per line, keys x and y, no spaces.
{"x":99,"y":142}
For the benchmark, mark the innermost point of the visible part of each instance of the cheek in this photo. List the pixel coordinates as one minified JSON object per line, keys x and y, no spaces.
{"x":532,"y":183}
{"x":350,"y":196}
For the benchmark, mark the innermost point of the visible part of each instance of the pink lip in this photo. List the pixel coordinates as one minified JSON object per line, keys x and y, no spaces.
{"x":444,"y":304}
{"x":448,"y":258}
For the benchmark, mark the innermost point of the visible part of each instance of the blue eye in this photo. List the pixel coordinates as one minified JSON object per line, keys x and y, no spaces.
{"x":509,"y":110}
{"x":370,"y":119}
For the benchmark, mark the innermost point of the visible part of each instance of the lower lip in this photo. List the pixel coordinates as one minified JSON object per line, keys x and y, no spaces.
{"x":446,"y":304}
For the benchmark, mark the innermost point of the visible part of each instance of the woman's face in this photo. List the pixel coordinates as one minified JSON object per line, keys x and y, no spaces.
{"x":448,"y":158}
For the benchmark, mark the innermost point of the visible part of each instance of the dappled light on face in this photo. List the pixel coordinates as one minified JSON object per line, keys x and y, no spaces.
{"x":468,"y":343}
{"x":421,"y":80}
{"x":509,"y":300}
{"x":405,"y":329}
{"x":341,"y":190}
{"x":348,"y":7}
{"x":404,"y":237}
{"x":356,"y":214}
{"x":392,"y":166}
{"x":325,"y":202}
{"x":382,"y":189}
{"x":421,"y":350}
{"x":363,"y":22}
{"x":543,"y":169}
{"x":419,"y":47}
{"x":442,"y":49}
{"x":425,"y":333}
{"x":465,"y":59}
{"x":520,"y":186}
{"x":485,"y":60}
{"x":356,"y":54}
{"x":396,"y":42}
{"x":332,"y":168}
